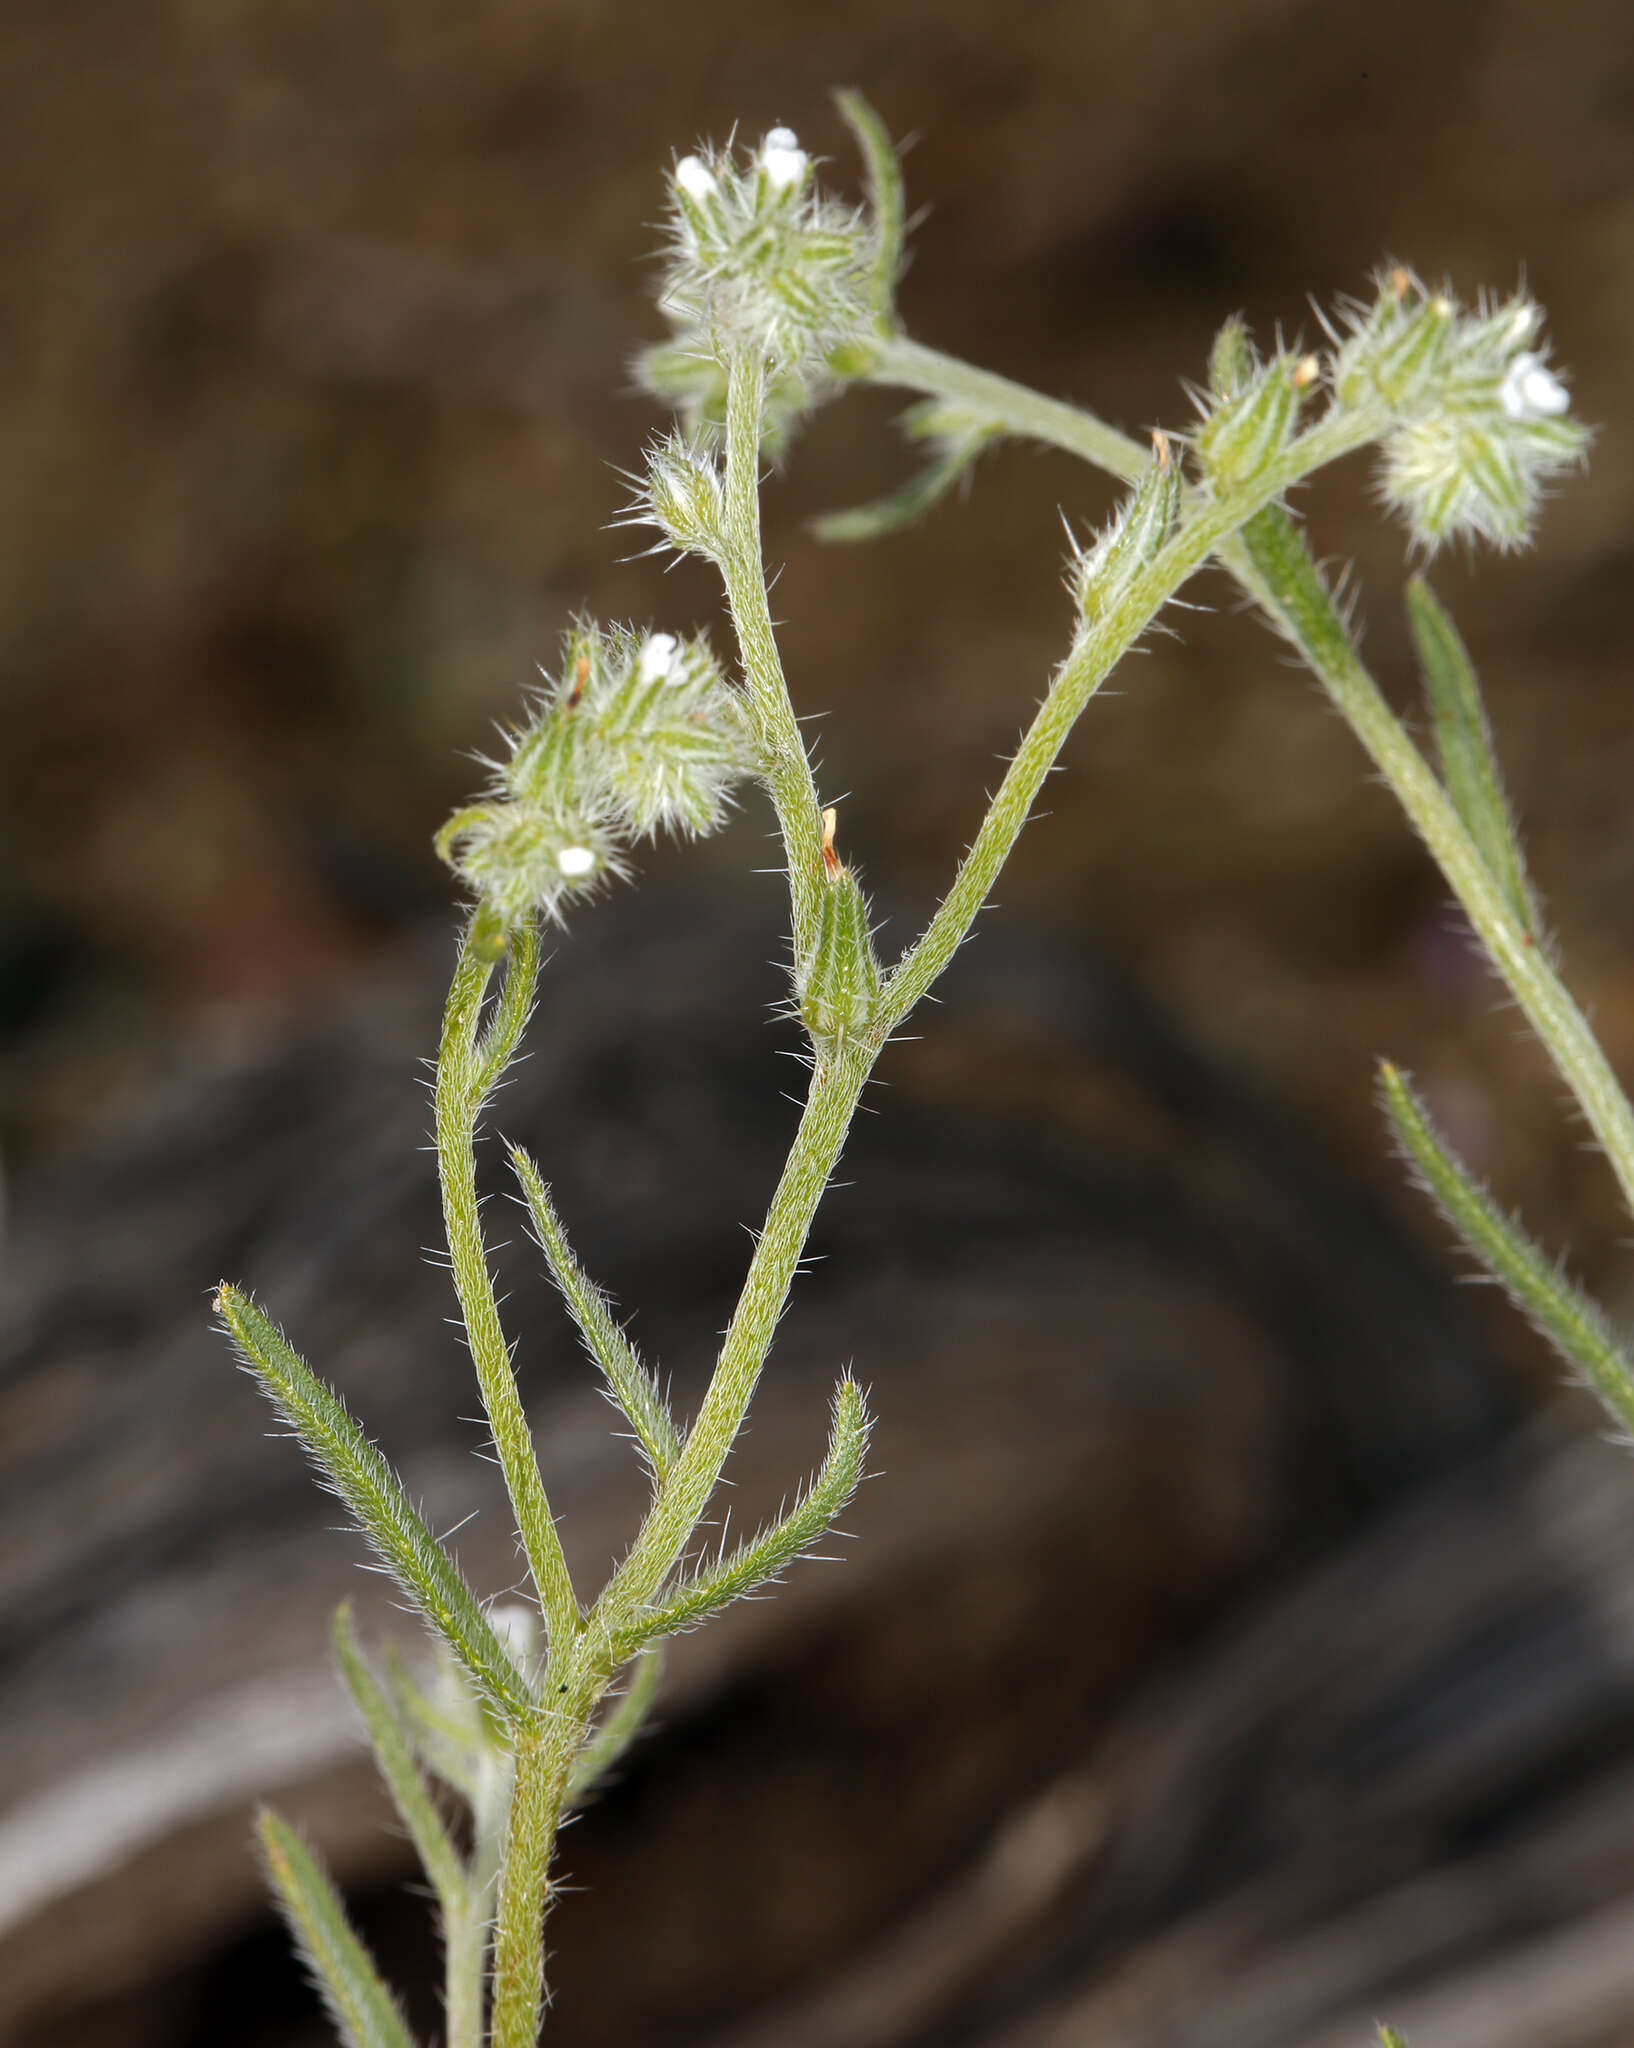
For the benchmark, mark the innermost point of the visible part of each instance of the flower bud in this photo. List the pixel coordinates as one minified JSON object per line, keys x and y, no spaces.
{"x":1101,"y":575}
{"x":837,"y":985}
{"x":1249,"y":428}
{"x":687,"y":498}
{"x":759,"y":259}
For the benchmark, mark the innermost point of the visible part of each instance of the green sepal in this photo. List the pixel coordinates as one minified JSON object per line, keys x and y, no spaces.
{"x":838,"y":983}
{"x":1246,"y":432}
{"x":1561,"y":1312}
{"x":1389,"y":2038}
{"x":1231,"y":359}
{"x":374,"y":1494}
{"x":1100,"y":576}
{"x":361,"y":2007}
{"x":1469,"y":766}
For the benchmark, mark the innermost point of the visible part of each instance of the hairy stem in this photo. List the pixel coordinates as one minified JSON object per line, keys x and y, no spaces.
{"x":1308,"y":615}
{"x":787,"y":770}
{"x":524,"y":1878}
{"x":831,"y":1101}
{"x":467,"y":1067}
{"x":1273,"y":566}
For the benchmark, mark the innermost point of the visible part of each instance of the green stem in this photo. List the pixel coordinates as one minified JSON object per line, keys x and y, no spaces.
{"x":467,"y":1067}
{"x":908,"y":364}
{"x":1095,"y":653}
{"x":831,"y":1101}
{"x":1304,"y":609}
{"x":787,"y":770}
{"x":524,"y":1890}
{"x":1282,"y":579}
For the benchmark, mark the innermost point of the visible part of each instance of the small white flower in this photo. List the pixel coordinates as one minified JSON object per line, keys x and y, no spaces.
{"x":575,"y":861}
{"x":657,"y":657}
{"x":1531,"y":390}
{"x":782,"y":159}
{"x":696,"y":179}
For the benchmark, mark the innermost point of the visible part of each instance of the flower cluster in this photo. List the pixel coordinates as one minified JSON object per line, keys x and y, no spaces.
{"x":758,"y":258}
{"x":1480,"y":423}
{"x":637,"y":733}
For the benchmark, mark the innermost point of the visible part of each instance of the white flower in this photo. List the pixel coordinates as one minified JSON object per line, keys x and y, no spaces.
{"x":1531,"y":390}
{"x":658,"y":657}
{"x":576,"y":861}
{"x":782,"y":159}
{"x":696,"y":179}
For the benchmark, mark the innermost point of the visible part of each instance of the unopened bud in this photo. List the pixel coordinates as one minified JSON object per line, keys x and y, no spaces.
{"x":687,"y":497}
{"x":1101,"y":575}
{"x":838,"y":984}
{"x":1245,"y":434}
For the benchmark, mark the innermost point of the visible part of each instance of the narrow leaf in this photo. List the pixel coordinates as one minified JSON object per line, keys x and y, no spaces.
{"x":886,"y":203}
{"x":619,"y":1729}
{"x":372,"y":1491}
{"x":752,"y":1563}
{"x":447,"y":1743}
{"x":1562,"y":1312}
{"x":492,"y":1054}
{"x":342,"y":1969}
{"x":634,"y":1388}
{"x":1468,"y":765}
{"x":440,"y":1860}
{"x":958,"y":439}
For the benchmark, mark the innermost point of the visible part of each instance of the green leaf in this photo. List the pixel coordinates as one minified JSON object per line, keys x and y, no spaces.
{"x":1468,"y":765}
{"x":343,"y":1970}
{"x":498,"y":1042}
{"x":634,"y":1388}
{"x":448,"y":1741}
{"x":374,"y":1494}
{"x":440,"y":1860}
{"x":619,"y":1729}
{"x":1389,"y":2038}
{"x":958,"y":437}
{"x":887,"y":207}
{"x":1562,"y":1312}
{"x":752,"y":1563}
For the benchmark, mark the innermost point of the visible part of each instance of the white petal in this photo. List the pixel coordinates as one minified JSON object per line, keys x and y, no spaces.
{"x":695,"y":179}
{"x":1531,"y":390}
{"x":657,"y":657}
{"x":783,"y":167}
{"x":575,"y":861}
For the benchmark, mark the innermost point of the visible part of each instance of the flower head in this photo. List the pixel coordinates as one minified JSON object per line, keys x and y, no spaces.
{"x":1479,"y":423}
{"x":636,"y":733}
{"x":758,"y":257}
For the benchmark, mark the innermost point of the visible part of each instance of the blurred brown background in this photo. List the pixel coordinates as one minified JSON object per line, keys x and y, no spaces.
{"x":313,"y":369}
{"x":315,"y":341}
